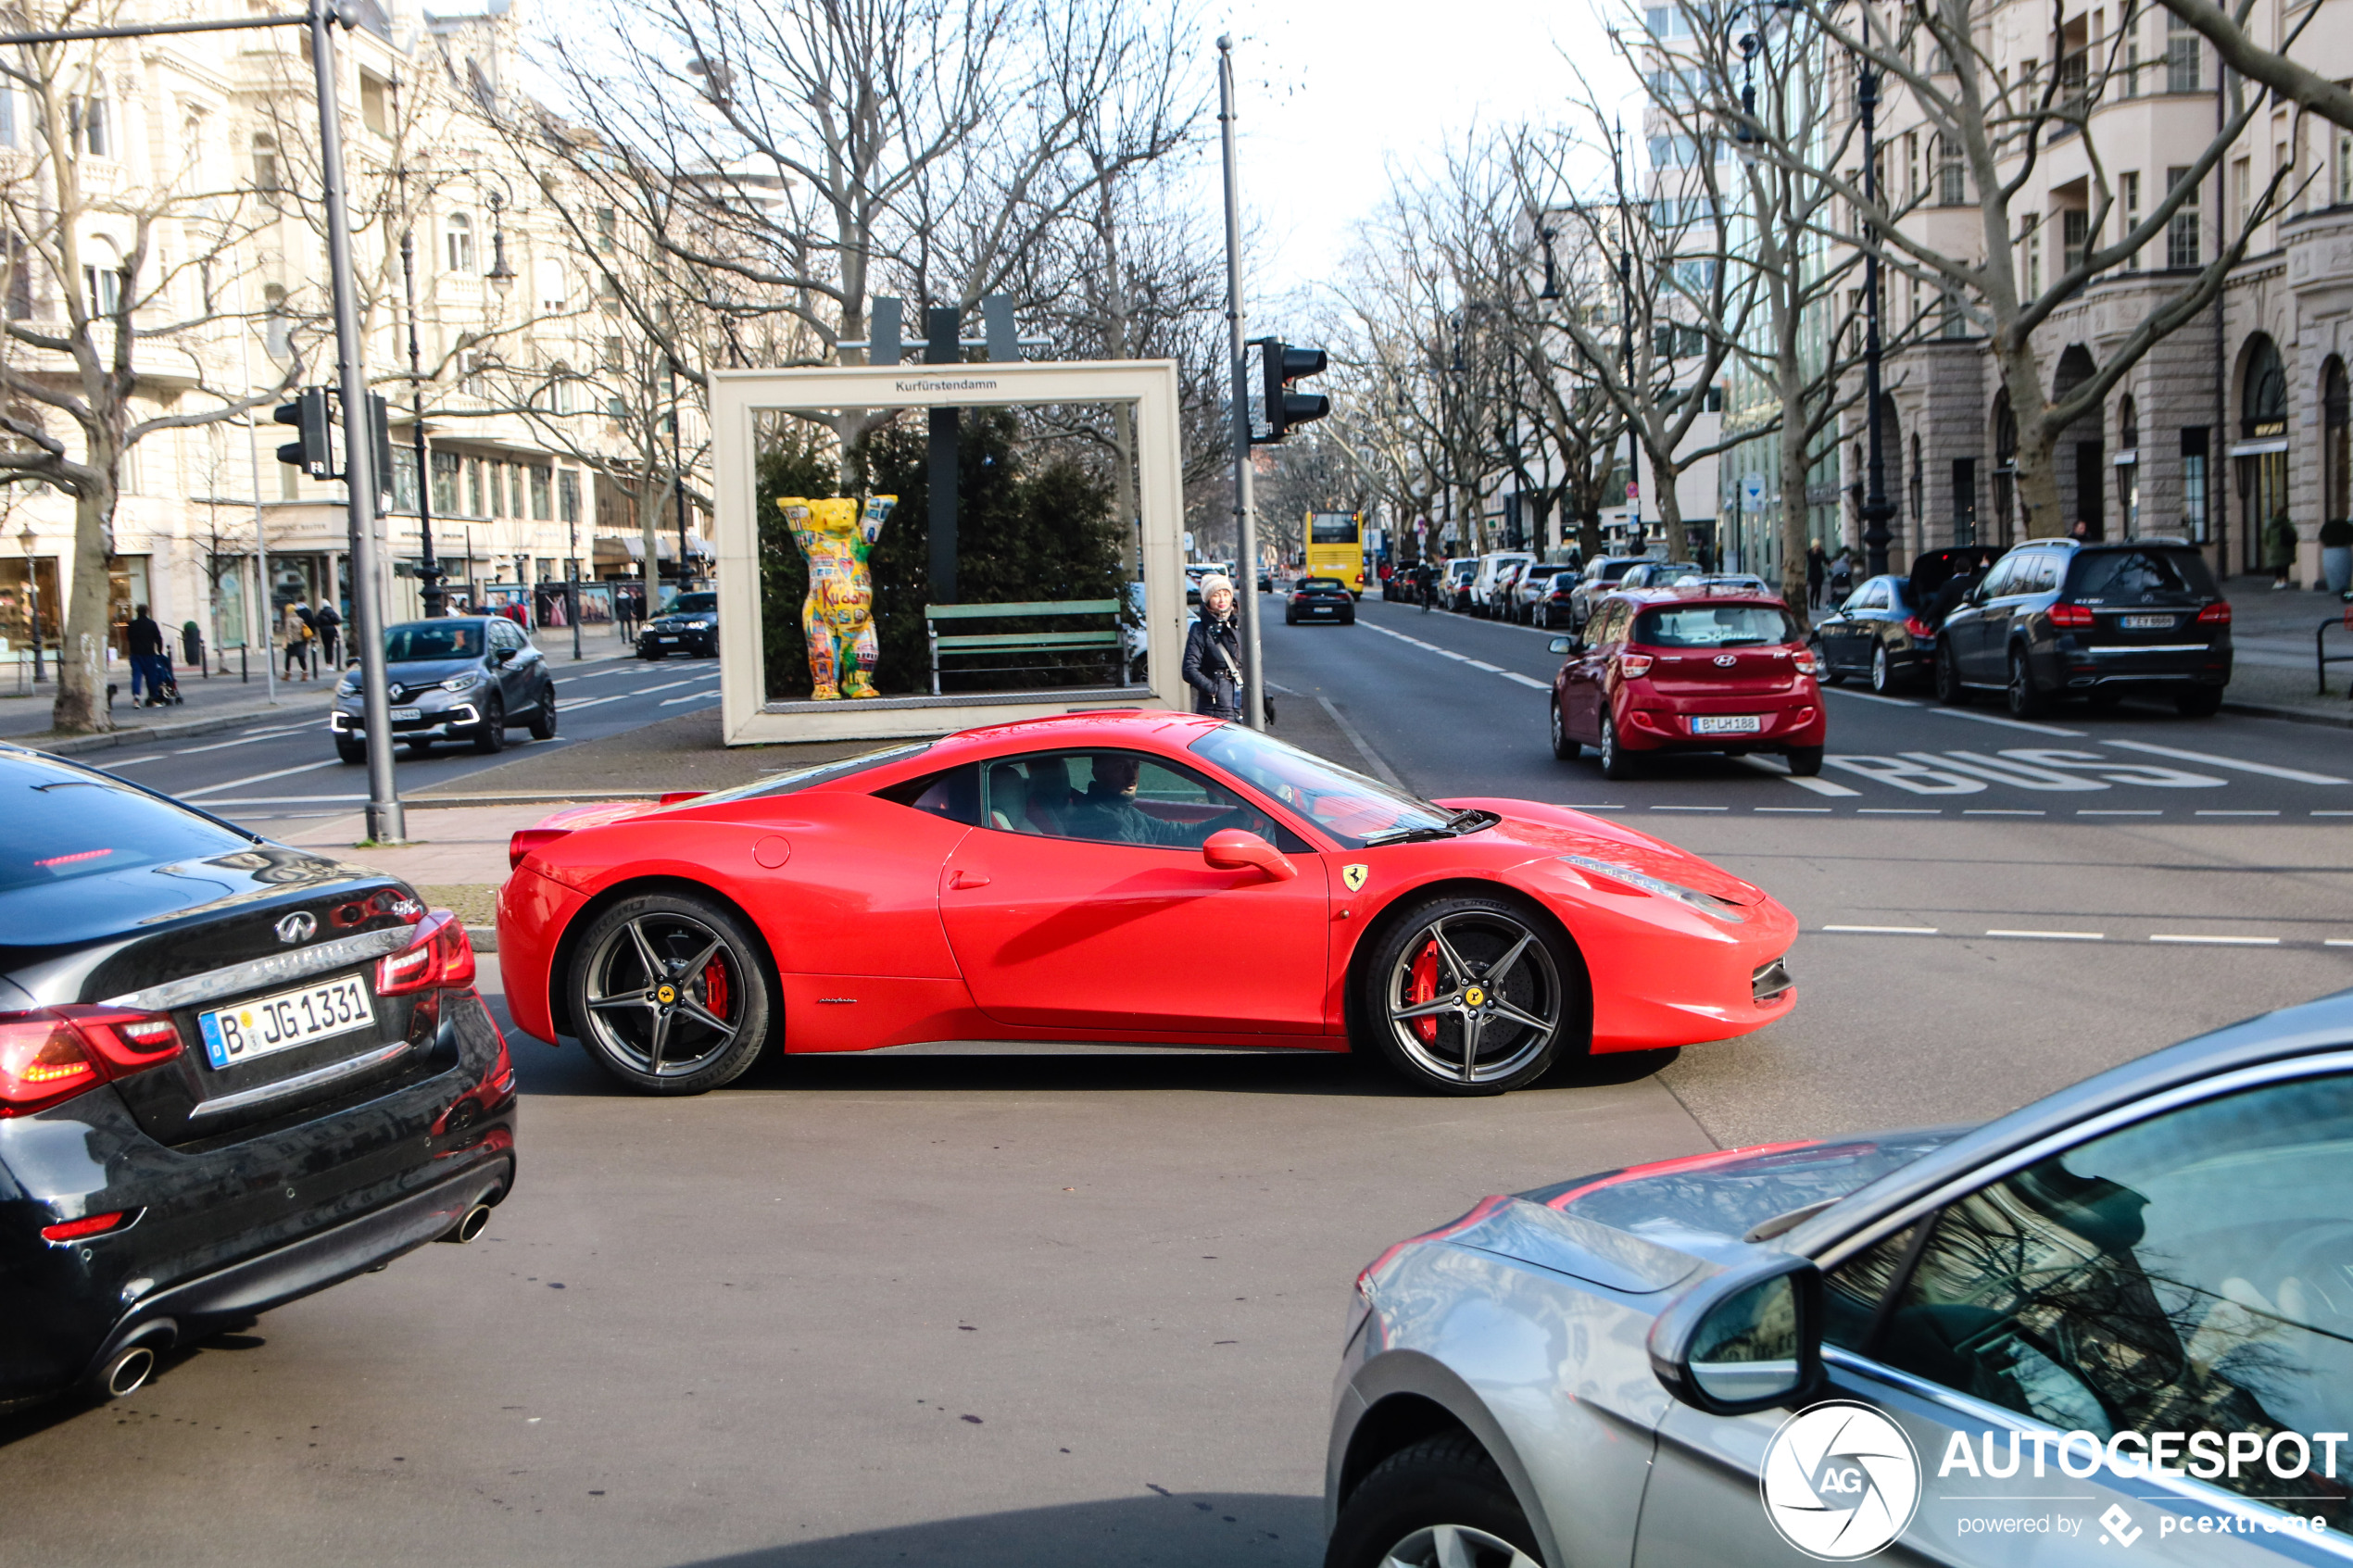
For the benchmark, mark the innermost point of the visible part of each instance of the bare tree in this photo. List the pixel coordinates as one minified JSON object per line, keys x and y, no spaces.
{"x":112,"y":283}
{"x":1999,"y":118}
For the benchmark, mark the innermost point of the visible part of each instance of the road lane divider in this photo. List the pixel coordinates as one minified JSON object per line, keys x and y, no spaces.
{"x":690,"y":696}
{"x":1776,"y":767}
{"x":2237,"y":764}
{"x":2054,"y":936}
{"x":2005,"y":724}
{"x":260,"y":778}
{"x":2193,"y":939}
{"x":1884,"y":930}
{"x":2220,"y":941}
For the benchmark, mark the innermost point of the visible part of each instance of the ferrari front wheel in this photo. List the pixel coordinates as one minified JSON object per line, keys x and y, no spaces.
{"x":668,"y":995}
{"x":1470,"y":996}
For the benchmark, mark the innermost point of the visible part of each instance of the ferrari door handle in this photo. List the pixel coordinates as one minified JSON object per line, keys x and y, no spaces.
{"x":968,"y":879}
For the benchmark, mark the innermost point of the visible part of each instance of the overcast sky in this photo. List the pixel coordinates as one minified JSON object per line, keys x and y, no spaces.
{"x":1337,"y":93}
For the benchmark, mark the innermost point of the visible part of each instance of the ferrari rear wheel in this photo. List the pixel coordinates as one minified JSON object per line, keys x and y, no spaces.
{"x":1441,"y":1504}
{"x":668,"y":995}
{"x":1467,"y":997}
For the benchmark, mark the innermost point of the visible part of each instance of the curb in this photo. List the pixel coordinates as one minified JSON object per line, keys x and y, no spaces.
{"x":137,"y":734}
{"x":552,"y":798}
{"x":2292,"y":715}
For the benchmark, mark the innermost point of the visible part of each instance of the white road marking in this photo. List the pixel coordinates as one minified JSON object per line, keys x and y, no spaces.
{"x":1690,"y":807}
{"x":2333,"y":813}
{"x":2007,"y":723}
{"x":258,"y":778}
{"x":1885,"y":930}
{"x":2223,"y":941}
{"x":2056,"y":935}
{"x":135,"y":762}
{"x":1573,"y":807}
{"x":2296,"y":774}
{"x":2090,"y":812}
{"x":1993,"y":812}
{"x":247,"y":738}
{"x":1483,"y":664}
{"x":690,"y":696}
{"x":1532,"y":685}
{"x":282,"y":801}
{"x":2238,"y":813}
{"x":1898,"y":811}
{"x":1817,"y":786}
{"x":1794,"y":810}
{"x":2338,"y":942}
{"x":1873,"y":696}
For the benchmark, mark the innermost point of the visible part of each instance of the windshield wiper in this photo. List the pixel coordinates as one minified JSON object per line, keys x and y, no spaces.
{"x":1456,"y":825}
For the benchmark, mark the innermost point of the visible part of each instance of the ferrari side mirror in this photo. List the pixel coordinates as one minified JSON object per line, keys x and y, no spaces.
{"x":1230,"y":849}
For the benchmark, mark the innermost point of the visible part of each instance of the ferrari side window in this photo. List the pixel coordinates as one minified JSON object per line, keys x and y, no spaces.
{"x":1115,"y":797}
{"x":953,"y":794}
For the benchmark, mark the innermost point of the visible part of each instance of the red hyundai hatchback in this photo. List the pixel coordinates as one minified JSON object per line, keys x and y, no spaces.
{"x":1688,"y":669}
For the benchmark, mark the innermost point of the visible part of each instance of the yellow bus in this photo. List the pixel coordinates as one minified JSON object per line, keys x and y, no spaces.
{"x":1336,"y":547}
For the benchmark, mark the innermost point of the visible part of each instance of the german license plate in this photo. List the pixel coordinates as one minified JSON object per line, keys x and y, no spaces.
{"x":402,"y":714}
{"x":1727,"y":724}
{"x":2145,"y":622}
{"x":282,"y":1022}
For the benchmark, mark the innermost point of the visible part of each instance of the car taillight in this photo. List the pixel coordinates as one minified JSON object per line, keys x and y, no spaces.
{"x":2078,"y":616}
{"x":1917,"y":627}
{"x":441,"y":958}
{"x":1806,"y":661}
{"x":1631,"y":664}
{"x":51,"y":1054}
{"x":89,"y":1225}
{"x":527,"y":839}
{"x":2216,"y":614}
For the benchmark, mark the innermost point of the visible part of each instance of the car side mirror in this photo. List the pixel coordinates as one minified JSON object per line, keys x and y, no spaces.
{"x":1562,"y":644}
{"x":1231,"y":849}
{"x":502,"y":655}
{"x":1746,"y":1339}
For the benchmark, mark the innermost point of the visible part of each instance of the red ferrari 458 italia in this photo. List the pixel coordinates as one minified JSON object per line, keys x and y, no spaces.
{"x":1122,"y":877}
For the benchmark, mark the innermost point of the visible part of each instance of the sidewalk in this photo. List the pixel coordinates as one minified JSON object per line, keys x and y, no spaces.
{"x":2271,"y":635}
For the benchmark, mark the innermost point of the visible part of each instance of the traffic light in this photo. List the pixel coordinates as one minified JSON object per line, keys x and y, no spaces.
{"x":310,"y":413}
{"x":1280,"y":364}
{"x":380,"y":440}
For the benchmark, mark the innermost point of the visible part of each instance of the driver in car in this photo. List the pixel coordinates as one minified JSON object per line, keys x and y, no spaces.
{"x":1108,"y":812}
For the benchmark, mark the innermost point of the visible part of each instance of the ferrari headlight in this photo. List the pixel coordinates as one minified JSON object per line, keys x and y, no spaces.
{"x":466,"y":681}
{"x":1707,"y":904}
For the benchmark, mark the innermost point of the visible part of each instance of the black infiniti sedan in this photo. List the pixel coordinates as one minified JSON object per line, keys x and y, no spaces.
{"x":690,"y":624}
{"x":459,"y":678}
{"x":1320,"y":598}
{"x":232,"y":1073}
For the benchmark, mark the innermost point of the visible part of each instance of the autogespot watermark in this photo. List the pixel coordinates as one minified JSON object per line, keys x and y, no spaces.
{"x":1842,"y":1482}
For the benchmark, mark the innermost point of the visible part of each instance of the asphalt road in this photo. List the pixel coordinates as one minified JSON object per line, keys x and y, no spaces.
{"x":1057,"y":1310}
{"x":272,"y":769}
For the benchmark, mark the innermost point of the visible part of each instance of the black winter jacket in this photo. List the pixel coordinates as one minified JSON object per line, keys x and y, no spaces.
{"x":1209,"y":647}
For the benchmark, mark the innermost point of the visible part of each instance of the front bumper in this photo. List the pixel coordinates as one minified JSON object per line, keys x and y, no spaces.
{"x":235,"y":1224}
{"x":455,"y":716}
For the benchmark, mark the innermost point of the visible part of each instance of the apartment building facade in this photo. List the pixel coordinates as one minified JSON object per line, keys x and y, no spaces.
{"x":528,"y":397}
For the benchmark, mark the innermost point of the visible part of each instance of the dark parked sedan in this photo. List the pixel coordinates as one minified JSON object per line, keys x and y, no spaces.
{"x":232,"y":1073}
{"x":1879,"y":634}
{"x":690,"y":625}
{"x":1320,"y":598}
{"x":2055,"y":617}
{"x":462,"y":677}
{"x":1825,"y":1350}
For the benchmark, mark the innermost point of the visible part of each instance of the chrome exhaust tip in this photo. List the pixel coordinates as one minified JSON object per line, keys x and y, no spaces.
{"x":477,"y":1221}
{"x":128,"y":1372}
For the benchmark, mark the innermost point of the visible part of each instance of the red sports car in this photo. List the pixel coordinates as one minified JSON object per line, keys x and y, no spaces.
{"x":1688,"y":668}
{"x":1125,"y":877}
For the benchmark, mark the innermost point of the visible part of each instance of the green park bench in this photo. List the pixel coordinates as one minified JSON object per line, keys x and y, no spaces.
{"x":971,"y":644}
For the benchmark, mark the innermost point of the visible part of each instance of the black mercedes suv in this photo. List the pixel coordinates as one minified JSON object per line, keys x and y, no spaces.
{"x":2059,"y":617}
{"x":232,"y":1073}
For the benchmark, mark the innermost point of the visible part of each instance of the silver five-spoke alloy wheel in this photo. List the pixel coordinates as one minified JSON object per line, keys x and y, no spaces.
{"x":1472,"y":998}
{"x":668,"y":998}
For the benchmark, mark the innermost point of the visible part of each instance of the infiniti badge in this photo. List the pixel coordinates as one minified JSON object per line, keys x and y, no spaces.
{"x":300,"y":926}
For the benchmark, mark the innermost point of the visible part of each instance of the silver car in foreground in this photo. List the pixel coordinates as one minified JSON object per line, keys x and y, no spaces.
{"x":2115,"y":1326}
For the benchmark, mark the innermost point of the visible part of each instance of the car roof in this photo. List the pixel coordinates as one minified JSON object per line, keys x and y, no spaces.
{"x":1647,"y":598}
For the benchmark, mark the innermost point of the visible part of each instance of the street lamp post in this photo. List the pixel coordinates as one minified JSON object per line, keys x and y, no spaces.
{"x":677,"y":474}
{"x":32,"y":595}
{"x":428,"y":569}
{"x":1876,"y":510}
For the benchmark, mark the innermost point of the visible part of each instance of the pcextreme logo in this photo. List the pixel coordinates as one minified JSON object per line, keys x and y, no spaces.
{"x":1841,"y":1481}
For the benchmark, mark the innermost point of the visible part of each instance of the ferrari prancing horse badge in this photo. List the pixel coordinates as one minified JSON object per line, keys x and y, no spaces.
{"x":1353,"y":876}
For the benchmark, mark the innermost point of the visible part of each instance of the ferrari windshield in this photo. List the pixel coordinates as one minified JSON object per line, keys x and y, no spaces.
{"x":1353,"y":808}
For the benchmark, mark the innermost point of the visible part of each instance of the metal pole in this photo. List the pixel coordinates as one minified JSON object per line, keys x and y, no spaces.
{"x":261,"y":539}
{"x":32,"y":603}
{"x":1876,"y":510}
{"x":387,"y":822}
{"x":571,"y":577}
{"x":678,"y":473}
{"x":1254,"y":702}
{"x":428,"y":569}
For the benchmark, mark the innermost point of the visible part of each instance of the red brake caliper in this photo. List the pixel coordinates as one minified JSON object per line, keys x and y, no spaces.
{"x":714,"y":989}
{"x":1421,"y":988}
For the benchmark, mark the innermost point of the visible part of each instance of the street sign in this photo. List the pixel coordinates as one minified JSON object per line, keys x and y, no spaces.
{"x":1753,"y":487}
{"x":1633,"y":490}
{"x":1189,"y":541}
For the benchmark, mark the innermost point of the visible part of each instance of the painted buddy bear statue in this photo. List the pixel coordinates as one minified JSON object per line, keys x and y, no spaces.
{"x":838,"y":616}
